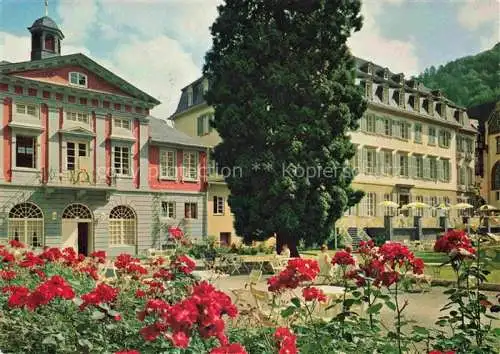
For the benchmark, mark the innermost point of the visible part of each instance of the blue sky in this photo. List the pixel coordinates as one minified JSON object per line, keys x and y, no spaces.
{"x":158,"y":45}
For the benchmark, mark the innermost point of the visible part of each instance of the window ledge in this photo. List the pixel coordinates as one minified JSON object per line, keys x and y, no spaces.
{"x":123,"y":176}
{"x":120,"y":246}
{"x":190,"y":180}
{"x":26,"y":169}
{"x":218,"y":214}
{"x":172,"y":179}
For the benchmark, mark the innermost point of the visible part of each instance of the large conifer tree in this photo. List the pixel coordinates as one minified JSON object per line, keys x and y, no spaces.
{"x":283,"y":87}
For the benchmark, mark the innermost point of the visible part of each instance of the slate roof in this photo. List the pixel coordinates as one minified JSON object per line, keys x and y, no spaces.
{"x":162,"y":132}
{"x":197,"y":96}
{"x":45,"y":21}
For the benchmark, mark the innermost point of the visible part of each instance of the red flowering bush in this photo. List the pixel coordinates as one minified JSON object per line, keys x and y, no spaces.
{"x":312,"y":293}
{"x":175,"y":233}
{"x":286,"y":340}
{"x":202,"y":310}
{"x":456,"y":243}
{"x":102,"y":294}
{"x":298,"y":270}
{"x":343,"y":258}
{"x":183,"y":264}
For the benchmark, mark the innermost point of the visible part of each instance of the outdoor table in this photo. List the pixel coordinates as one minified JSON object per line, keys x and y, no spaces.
{"x":256,"y":260}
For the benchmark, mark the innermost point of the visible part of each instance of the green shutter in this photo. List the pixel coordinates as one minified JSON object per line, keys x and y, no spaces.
{"x":200,"y":125}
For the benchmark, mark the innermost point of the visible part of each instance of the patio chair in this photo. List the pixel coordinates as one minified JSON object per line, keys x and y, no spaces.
{"x":107,"y":271}
{"x":278,"y":263}
{"x":264,"y":312}
{"x":233,"y":264}
{"x":241,"y":293}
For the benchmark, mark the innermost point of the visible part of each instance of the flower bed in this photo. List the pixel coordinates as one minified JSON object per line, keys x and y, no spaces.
{"x":57,"y":302}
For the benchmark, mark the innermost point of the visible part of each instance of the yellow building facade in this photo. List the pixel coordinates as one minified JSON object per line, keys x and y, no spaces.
{"x":413,"y":144}
{"x":488,"y":157}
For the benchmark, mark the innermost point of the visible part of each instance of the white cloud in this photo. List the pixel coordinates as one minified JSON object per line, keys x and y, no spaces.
{"x":77,"y":17}
{"x":473,"y":14}
{"x":158,"y":66}
{"x":370,"y":44}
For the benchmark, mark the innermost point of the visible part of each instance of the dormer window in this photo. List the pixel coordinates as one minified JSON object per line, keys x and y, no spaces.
{"x":414,"y":102}
{"x":386,"y":74}
{"x":369,"y":90}
{"x":78,"y":79}
{"x":429,"y":106}
{"x":190,"y":96}
{"x":369,"y":69}
{"x":385,"y":92}
{"x":399,"y":97}
{"x":459,"y":116}
{"x":441,"y":109}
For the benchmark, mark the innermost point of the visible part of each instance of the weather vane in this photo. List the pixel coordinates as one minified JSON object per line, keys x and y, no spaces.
{"x":46,"y":7}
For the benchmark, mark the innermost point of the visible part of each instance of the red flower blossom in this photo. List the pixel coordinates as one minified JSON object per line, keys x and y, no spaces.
{"x":39,"y":273}
{"x":140,"y":293}
{"x":6,"y":256}
{"x":91,"y":271}
{"x":286,"y":340}
{"x":343,"y":258}
{"x":100,"y":256}
{"x":16,"y":244}
{"x":175,"y":232}
{"x":163,"y":274}
{"x":234,"y":348}
{"x":312,"y":293}
{"x":298,"y":270}
{"x":30,"y":260}
{"x":184,"y":264}
{"x":7,"y":275}
{"x":203,"y":310}
{"x":387,"y":279}
{"x":18,"y":295}
{"x":51,"y":254}
{"x":124,"y":259}
{"x":456,"y":243}
{"x":101,"y":294}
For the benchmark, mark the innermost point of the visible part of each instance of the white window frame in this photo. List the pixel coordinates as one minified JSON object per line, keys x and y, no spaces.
{"x":168,"y":171}
{"x":25,"y":221}
{"x":432,"y":137}
{"x":168,"y":209}
{"x":189,"y":205}
{"x":403,"y":167}
{"x":371,"y":123}
{"x":35,"y":152}
{"x":419,"y":170}
{"x":76,"y":153}
{"x":387,"y":127}
{"x":190,"y":172}
{"x":446,"y":169}
{"x":371,"y":204}
{"x":121,"y":167}
{"x":371,"y":162}
{"x":78,"y":117}
{"x":118,"y":227}
{"x":122,"y":123}
{"x":388,"y":162}
{"x":79,"y":76}
{"x":418,"y":132}
{"x":218,"y":205}
{"x":27,"y":109}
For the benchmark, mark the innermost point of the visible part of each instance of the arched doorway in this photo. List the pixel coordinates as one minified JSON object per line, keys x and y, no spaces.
{"x":77,"y":228}
{"x":25,"y":224}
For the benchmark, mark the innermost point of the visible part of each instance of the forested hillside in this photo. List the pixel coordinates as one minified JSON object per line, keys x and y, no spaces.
{"x":469,"y":80}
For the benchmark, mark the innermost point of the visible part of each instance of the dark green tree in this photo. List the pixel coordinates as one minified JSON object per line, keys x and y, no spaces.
{"x":282,"y":84}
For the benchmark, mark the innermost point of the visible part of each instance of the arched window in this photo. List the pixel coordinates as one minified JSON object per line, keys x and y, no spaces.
{"x":495,"y":177}
{"x":76,"y":211}
{"x":122,"y":226}
{"x":49,"y":42}
{"x":25,"y":224}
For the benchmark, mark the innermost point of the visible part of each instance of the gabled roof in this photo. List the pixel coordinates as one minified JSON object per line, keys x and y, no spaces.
{"x":163,"y":132}
{"x":83,"y":61}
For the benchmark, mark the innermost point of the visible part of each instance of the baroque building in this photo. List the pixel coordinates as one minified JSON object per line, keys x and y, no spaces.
{"x":488,"y":150}
{"x":83,"y":163}
{"x":413,"y":145}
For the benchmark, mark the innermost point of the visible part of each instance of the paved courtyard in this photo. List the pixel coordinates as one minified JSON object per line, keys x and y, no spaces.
{"x":424,"y":308}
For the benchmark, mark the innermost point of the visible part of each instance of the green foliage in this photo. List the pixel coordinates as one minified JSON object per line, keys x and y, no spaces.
{"x":467,"y":81}
{"x":283,"y":88}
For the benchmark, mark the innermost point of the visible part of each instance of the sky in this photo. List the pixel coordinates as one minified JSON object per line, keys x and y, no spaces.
{"x":159,"y":45}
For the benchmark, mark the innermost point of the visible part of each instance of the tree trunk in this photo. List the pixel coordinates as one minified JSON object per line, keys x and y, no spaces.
{"x":290,"y":241}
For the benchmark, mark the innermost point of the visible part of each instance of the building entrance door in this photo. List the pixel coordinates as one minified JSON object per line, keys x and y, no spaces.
{"x":83,"y":238}
{"x":403,"y":200}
